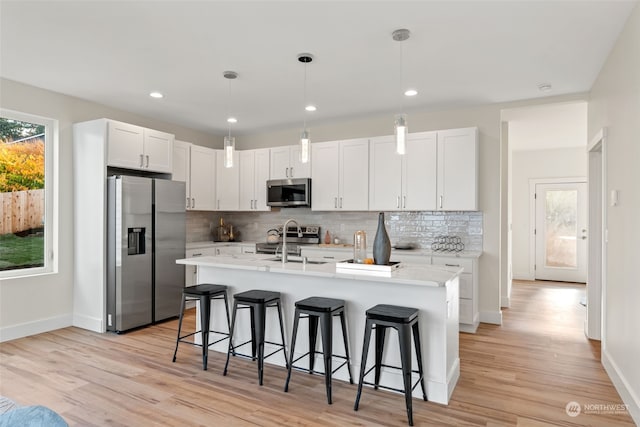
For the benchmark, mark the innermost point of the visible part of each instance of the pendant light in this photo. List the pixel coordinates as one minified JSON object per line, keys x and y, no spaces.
{"x":305,"y":139}
{"x":400,"y":126}
{"x":229,"y":141}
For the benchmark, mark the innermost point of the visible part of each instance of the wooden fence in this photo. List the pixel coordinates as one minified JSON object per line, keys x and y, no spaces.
{"x":21,"y":210}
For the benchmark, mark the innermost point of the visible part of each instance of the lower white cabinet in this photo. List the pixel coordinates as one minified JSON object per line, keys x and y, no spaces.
{"x":191,"y":271}
{"x":469,"y":314}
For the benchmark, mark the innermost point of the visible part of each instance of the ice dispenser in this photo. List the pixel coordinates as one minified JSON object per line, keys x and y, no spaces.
{"x":136,"y":241}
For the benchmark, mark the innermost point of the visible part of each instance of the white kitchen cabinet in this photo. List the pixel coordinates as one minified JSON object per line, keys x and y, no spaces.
{"x":285,"y":163}
{"x":457,"y":183}
{"x":254,"y":173}
{"x":227,"y":183}
{"x":181,"y":168}
{"x":469,"y":313}
{"x":341,"y":179}
{"x":202,"y":173}
{"x":403,"y":182}
{"x":135,"y":147}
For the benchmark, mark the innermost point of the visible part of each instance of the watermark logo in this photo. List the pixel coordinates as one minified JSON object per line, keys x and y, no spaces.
{"x":573,"y":409}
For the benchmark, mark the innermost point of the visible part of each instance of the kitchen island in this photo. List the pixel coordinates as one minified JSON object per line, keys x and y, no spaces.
{"x":431,"y":289}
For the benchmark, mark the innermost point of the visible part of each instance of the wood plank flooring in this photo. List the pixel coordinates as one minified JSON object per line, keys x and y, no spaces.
{"x":522,"y":373}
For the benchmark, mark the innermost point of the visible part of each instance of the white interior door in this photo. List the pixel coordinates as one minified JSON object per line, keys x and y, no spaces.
{"x":561,"y":232}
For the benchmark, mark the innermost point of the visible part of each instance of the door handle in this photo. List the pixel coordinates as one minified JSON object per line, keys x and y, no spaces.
{"x":193,"y":203}
{"x":340,"y":202}
{"x":291,"y":172}
{"x":141,"y":160}
{"x":584,"y":237}
{"x":335,"y":202}
{"x":188,"y":203}
{"x":286,"y":172}
{"x":404,"y":202}
{"x":147,"y":161}
{"x":440,"y":202}
{"x":398,"y":202}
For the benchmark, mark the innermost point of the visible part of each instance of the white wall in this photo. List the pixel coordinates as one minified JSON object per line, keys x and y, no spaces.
{"x":615,"y":104}
{"x":536,"y":164}
{"x":35,"y":304}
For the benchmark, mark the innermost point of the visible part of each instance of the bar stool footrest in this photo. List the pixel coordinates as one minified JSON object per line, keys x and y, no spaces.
{"x":399,"y":390}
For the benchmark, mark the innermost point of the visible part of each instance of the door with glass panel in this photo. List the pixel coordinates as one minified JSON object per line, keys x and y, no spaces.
{"x":561,"y":232}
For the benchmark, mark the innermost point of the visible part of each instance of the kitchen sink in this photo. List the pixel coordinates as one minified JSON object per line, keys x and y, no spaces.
{"x":297,"y":259}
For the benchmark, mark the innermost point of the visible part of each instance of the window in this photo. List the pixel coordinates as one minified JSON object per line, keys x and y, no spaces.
{"x":28,"y":226}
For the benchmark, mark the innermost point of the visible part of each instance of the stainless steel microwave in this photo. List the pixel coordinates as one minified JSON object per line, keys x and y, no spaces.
{"x":289,"y":192}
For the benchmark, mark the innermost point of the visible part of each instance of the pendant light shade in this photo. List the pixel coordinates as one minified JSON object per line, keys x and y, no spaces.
{"x":400,"y":124}
{"x":229,"y":141}
{"x":305,"y":140}
{"x":229,"y":148}
{"x":401,"y":131}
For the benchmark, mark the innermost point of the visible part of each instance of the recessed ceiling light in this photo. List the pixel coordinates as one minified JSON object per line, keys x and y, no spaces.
{"x":544,"y":87}
{"x":232,"y":120}
{"x":310,"y":108}
{"x":156,"y":95}
{"x":411,"y":92}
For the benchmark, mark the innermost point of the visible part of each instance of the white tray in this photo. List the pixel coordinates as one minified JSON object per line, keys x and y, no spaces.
{"x":350,"y":267}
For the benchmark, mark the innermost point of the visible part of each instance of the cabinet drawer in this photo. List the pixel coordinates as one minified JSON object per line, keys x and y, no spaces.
{"x":466,"y":285}
{"x":466,"y":311}
{"x":465,"y":263}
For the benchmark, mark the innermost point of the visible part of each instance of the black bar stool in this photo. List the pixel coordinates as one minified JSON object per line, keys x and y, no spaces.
{"x":257,"y":301}
{"x":204,"y":293}
{"x":403,"y":320}
{"x":323,"y":310}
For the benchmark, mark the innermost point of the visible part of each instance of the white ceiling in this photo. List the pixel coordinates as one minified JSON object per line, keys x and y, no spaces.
{"x":459,"y":54}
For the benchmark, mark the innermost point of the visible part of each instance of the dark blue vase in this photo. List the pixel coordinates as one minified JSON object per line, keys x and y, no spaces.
{"x":381,"y":244}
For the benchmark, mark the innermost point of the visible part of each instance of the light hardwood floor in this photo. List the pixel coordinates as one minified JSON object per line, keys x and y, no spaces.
{"x":521,"y":373}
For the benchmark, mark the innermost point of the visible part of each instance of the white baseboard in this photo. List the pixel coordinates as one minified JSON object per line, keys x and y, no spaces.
{"x":494,"y":317}
{"x":505,"y":302}
{"x":521,"y":275}
{"x":622,"y":386}
{"x":35,"y":327}
{"x":91,"y":323}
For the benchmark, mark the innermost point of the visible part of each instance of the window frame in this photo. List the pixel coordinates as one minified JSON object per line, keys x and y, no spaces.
{"x":51,"y":211}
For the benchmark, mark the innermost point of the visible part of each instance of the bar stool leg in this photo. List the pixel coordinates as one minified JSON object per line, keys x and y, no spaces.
{"x":226,"y":309}
{"x":416,"y":341}
{"x":260,"y":320}
{"x":179,"y":328}
{"x":380,"y":335}
{"x":296,"y":320}
{"x":205,"y":313}
{"x":253,"y":332}
{"x":313,"y":336}
{"x":404,"y":337}
{"x":365,"y":351}
{"x":231,"y":348}
{"x":346,"y":344}
{"x":326,"y":330}
{"x":284,"y":348}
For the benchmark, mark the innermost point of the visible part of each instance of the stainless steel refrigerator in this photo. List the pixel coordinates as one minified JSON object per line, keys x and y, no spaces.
{"x":146,"y":234}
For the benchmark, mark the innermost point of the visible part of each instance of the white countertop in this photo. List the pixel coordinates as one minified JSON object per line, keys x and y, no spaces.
{"x":407,"y":273}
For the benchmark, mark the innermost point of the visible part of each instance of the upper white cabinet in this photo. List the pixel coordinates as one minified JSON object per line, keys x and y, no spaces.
{"x":458,"y":169}
{"x":254,"y":173}
{"x":340,"y":179}
{"x":135,"y":147}
{"x":403,"y":182}
{"x":227,"y":183}
{"x":182,"y":166}
{"x":285,"y":163}
{"x":202,"y":173}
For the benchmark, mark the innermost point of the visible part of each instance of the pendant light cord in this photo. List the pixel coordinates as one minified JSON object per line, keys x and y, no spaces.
{"x":401,"y":77}
{"x":229,"y":108}
{"x":304,"y":99}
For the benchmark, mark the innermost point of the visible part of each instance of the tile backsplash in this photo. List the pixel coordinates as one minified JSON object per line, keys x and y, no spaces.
{"x":419,"y":228}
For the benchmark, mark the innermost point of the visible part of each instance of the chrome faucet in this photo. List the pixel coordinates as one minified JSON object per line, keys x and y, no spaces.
{"x":284,"y":238}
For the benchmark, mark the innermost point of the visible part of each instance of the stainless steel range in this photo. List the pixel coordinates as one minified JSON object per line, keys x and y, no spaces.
{"x":295,"y":241}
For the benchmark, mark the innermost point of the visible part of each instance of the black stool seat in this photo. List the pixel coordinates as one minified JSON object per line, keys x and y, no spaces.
{"x":257,"y":296}
{"x":204,"y":293}
{"x":257,"y":301}
{"x":205,"y":289}
{"x":405,"y":321}
{"x":320,"y":310}
{"x":320,"y":304}
{"x":392,"y":313}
